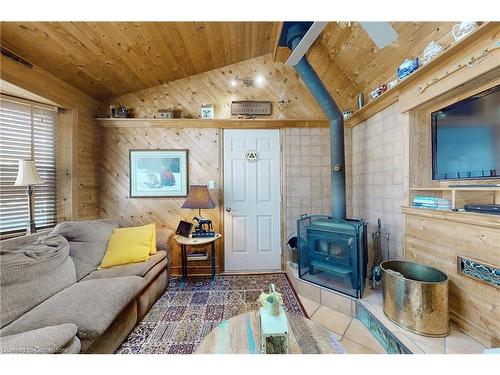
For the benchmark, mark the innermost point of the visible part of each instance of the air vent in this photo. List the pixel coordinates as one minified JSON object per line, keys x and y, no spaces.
{"x":13,"y":56}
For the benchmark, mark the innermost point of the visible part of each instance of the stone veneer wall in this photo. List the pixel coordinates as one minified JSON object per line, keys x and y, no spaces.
{"x":378,"y":176}
{"x":375,"y":176}
{"x":307,"y":177}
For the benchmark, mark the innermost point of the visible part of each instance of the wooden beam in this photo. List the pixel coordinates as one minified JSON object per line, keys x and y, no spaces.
{"x":203,"y":123}
{"x":275,"y":39}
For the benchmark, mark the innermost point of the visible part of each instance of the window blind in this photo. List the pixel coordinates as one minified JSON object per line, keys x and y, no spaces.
{"x":27,"y":131}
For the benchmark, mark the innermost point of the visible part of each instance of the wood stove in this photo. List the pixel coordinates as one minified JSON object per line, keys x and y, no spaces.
{"x":333,"y":253}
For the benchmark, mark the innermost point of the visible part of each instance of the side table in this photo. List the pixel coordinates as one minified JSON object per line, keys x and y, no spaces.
{"x":184,"y":242}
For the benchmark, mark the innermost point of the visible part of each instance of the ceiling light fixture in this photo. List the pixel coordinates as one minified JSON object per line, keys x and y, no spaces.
{"x":260,"y":80}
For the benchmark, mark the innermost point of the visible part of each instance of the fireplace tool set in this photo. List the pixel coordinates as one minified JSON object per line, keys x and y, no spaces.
{"x":376,"y":273}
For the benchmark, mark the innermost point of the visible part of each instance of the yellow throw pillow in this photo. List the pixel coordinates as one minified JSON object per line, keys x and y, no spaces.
{"x":127,"y":246}
{"x":148,"y":227}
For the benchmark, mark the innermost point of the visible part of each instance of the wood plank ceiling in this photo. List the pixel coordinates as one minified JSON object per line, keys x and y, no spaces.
{"x":348,"y":62}
{"x":106,"y":59}
{"x":109,"y":59}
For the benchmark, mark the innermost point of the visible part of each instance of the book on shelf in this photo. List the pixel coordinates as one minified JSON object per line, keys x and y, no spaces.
{"x":431,"y":202}
{"x":197,"y":255}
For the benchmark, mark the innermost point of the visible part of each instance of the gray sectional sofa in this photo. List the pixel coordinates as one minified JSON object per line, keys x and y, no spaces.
{"x":54,"y":300}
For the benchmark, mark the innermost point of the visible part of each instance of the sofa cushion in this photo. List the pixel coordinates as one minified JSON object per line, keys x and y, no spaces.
{"x":46,"y":340}
{"x":92,"y":305}
{"x":31,"y":273}
{"x":87,"y":242}
{"x":132,"y":269}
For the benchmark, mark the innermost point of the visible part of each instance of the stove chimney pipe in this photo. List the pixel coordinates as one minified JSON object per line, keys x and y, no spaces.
{"x":312,"y":81}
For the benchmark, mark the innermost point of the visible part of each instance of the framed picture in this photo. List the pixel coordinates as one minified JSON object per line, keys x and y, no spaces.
{"x":207,"y":111}
{"x":158,"y":173}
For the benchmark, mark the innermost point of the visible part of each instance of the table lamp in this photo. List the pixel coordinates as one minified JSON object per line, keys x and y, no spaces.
{"x":199,"y":197}
{"x":27,"y":175}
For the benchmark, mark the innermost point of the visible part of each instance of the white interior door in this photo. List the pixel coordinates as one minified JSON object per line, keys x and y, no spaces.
{"x":252,"y":200}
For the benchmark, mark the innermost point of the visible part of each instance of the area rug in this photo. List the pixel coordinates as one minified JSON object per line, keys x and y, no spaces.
{"x":187,"y":312}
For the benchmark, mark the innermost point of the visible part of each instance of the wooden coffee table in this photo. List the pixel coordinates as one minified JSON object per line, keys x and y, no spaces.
{"x":241,"y":335}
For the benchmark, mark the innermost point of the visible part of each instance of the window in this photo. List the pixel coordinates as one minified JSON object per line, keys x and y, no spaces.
{"x":26,"y":132}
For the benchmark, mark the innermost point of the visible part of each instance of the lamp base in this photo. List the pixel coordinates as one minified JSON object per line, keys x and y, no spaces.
{"x":30,"y":228}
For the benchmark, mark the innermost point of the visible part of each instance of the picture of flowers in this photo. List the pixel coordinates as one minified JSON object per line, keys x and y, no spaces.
{"x":158,"y":173}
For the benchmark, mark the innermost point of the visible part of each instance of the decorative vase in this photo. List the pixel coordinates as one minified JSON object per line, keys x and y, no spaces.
{"x":432,"y":50}
{"x":407,"y":67}
{"x":347,"y":114}
{"x":378,"y":91}
{"x":461,"y":29}
{"x":392,"y":84}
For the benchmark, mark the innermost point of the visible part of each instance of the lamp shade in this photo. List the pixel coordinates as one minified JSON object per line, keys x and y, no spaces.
{"x":27,"y":174}
{"x":198,"y":197}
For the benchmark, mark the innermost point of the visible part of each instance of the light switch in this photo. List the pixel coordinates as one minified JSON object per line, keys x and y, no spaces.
{"x":211,"y":185}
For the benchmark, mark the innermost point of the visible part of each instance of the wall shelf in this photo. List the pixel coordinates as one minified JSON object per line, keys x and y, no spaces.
{"x":463,"y":217}
{"x":211,"y":123}
{"x":462,"y":195}
{"x":391,"y":96}
{"x":465,"y":188}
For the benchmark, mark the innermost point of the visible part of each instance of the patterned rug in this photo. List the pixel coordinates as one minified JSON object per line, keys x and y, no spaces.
{"x":185,"y":314}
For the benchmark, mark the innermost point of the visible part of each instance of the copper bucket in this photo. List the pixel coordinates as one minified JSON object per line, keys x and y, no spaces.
{"x":416,"y":297}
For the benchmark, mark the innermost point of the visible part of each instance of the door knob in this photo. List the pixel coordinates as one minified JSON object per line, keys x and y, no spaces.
{"x":228,"y":209}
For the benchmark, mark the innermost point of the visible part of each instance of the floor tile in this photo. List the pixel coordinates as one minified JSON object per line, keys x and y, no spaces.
{"x":434,"y":345}
{"x":336,"y":302}
{"x":307,"y":290}
{"x":373,"y":295}
{"x":459,"y":343}
{"x":310,"y":305}
{"x":358,"y":333}
{"x":333,"y":320}
{"x":352,"y":347}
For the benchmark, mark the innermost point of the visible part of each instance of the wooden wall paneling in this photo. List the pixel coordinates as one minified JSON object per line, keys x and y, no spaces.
{"x":188,"y":94}
{"x":484,"y":38}
{"x":348,"y":61}
{"x":204,"y":165}
{"x":427,"y":72}
{"x":420,"y":150}
{"x":411,"y":43}
{"x":65,"y":166}
{"x":84,"y":131}
{"x":474,"y":305}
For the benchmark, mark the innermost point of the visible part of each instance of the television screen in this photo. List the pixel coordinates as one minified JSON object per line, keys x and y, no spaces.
{"x":466,"y":138}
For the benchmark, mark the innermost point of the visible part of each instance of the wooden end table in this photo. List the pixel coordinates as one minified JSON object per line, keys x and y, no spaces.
{"x":185,"y":242}
{"x":241,"y":335}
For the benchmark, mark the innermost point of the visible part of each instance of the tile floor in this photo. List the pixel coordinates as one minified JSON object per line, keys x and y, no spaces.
{"x":335,"y":312}
{"x":457,"y":342}
{"x":353,"y":335}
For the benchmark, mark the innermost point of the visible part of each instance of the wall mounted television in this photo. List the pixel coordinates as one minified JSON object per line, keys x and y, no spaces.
{"x":466,"y":138}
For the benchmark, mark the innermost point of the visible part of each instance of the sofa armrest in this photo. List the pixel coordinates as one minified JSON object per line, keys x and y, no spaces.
{"x":47,"y":340}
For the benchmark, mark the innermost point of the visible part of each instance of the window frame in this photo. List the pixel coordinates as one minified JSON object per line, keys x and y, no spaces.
{"x":33,"y":105}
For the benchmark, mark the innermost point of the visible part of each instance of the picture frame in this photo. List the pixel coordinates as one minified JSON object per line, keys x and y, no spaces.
{"x":158,"y":173}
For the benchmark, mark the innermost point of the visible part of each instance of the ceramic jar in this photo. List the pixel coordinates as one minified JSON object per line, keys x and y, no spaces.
{"x":432,"y":50}
{"x":460,"y":30}
{"x":407,"y":67}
